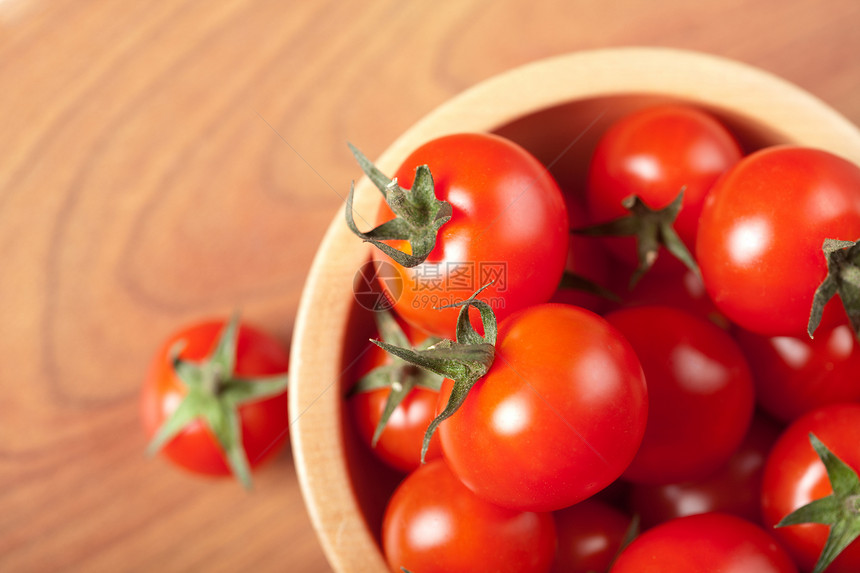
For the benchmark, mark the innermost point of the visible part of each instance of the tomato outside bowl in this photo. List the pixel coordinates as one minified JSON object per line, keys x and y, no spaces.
{"x":557,"y":109}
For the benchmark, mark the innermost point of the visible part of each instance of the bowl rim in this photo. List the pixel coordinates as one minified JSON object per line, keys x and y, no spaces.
{"x":696,"y":77}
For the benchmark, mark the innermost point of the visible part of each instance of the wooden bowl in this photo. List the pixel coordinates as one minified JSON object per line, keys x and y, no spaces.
{"x":556,"y":108}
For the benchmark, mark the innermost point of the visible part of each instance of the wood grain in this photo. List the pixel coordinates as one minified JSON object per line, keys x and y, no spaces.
{"x":162,"y":162}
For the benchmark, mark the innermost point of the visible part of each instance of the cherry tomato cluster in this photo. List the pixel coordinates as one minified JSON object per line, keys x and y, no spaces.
{"x":619,"y":376}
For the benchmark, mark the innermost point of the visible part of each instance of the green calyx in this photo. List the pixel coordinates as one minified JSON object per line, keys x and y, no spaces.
{"x":464,"y":360}
{"x":400,"y":376}
{"x":840,"y":510}
{"x":214,"y":395}
{"x":418,"y":213}
{"x":843,"y":279}
{"x":653,"y":228}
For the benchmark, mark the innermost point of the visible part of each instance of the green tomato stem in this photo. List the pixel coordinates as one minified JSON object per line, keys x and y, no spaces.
{"x":400,"y":376}
{"x":653,"y":228}
{"x":464,"y":360}
{"x":839,"y":510}
{"x":418,"y":213}
{"x":214,"y":395}
{"x":843,"y":279}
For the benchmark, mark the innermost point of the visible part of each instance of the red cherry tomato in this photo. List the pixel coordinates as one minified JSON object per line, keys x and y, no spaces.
{"x":557,"y":418}
{"x":435,"y":524}
{"x":734,"y":488}
{"x":399,"y":444}
{"x":761,"y":233}
{"x":654,"y":153}
{"x":794,"y":375}
{"x":794,"y":476}
{"x":704,"y":543}
{"x":590,"y":535}
{"x":509,"y":224}
{"x":264,"y":424}
{"x":700,"y":393}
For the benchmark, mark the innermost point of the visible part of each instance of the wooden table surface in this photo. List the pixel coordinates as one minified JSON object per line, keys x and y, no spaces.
{"x":166,"y":161}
